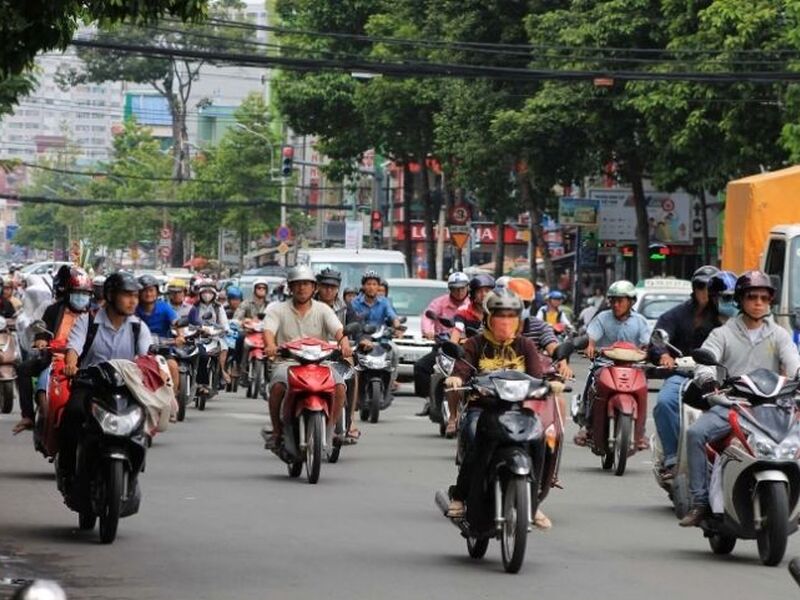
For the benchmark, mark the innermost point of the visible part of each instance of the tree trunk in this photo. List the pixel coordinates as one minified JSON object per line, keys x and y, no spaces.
{"x":642,"y":230}
{"x":500,"y":253}
{"x":428,"y":216}
{"x":408,"y":197}
{"x":532,"y":198}
{"x":704,"y":222}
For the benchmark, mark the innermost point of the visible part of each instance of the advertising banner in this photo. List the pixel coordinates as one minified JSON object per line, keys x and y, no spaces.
{"x":669,"y":216}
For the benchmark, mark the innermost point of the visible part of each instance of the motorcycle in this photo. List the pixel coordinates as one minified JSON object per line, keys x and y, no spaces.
{"x":210,"y":338}
{"x":254,"y":345}
{"x":110,"y":454}
{"x":374,"y":363}
{"x":51,"y":409}
{"x":618,"y":404}
{"x":9,"y":357}
{"x":755,"y":481}
{"x":507,"y":499}
{"x":186,"y":357}
{"x":308,"y":406}
{"x":234,"y":332}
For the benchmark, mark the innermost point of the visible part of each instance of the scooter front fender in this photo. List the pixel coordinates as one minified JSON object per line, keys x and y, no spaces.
{"x":624,"y":404}
{"x":514,"y":460}
{"x":312,"y":403}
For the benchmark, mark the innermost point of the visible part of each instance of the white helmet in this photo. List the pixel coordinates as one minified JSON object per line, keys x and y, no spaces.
{"x":260,"y":281}
{"x":301,"y":273}
{"x":457,"y":280}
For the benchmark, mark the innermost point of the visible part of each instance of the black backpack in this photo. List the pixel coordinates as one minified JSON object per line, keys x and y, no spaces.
{"x":91,"y":333}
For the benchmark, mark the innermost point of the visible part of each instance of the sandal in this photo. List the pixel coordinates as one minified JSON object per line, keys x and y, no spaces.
{"x":456,"y":509}
{"x":581,"y":438}
{"x":23,"y":425}
{"x":541,"y":521}
{"x":643,"y":444}
{"x":450,"y":432}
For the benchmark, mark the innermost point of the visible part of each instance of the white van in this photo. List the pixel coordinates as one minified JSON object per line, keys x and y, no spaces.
{"x":352,"y":264}
{"x":781,"y":261}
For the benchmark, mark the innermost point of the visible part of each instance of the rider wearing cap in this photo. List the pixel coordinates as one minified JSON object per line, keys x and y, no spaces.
{"x":688,"y":326}
{"x":328,"y":283}
{"x":551,"y":312}
{"x":749,"y":341}
{"x":176,"y":293}
{"x":446,"y":305}
{"x":235,"y":297}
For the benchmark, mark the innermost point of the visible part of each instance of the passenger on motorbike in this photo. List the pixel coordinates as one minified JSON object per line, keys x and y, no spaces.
{"x":97,"y":294}
{"x":9,"y":291}
{"x":349,"y":295}
{"x":620,"y":324}
{"x":551,"y":312}
{"x":210,"y":312}
{"x":470,"y":318}
{"x":298,"y":317}
{"x":688,"y":326}
{"x":749,"y":341}
{"x":499,"y":346}
{"x":114,"y":333}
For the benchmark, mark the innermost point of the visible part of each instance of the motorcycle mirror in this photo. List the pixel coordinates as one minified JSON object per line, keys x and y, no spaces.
{"x":352,"y":329}
{"x":794,"y":569}
{"x":704,"y":357}
{"x":431,"y":315}
{"x":452,"y":350}
{"x":369,"y":329}
{"x":182,"y":322}
{"x":39,"y":327}
{"x":563,"y":350}
{"x":796,"y":320}
{"x":659,"y":338}
{"x":449,"y":323}
{"x":580,"y":342}
{"x":403,"y":319}
{"x":208,"y":316}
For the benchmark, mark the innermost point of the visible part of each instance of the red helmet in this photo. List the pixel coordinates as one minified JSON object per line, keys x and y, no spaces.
{"x":79,"y":281}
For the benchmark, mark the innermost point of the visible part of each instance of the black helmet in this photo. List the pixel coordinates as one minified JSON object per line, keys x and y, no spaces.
{"x":703,"y":275}
{"x":329,"y":276}
{"x":147,"y":281}
{"x":750,"y":280}
{"x":480,"y":281}
{"x":119,"y":282}
{"x":370,"y":275}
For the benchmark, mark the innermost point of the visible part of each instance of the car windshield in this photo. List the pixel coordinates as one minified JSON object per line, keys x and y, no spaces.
{"x":352,"y":272}
{"x":653,"y":306}
{"x":411,"y":301}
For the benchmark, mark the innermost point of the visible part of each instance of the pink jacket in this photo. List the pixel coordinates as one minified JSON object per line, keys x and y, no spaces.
{"x":444,"y":307}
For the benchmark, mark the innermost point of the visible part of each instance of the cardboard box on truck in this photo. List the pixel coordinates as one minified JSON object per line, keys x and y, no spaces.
{"x":752,"y":207}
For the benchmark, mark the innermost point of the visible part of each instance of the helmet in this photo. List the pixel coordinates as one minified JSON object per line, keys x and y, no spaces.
{"x":234,"y":293}
{"x":522,"y":288}
{"x":703,"y":275}
{"x":301,"y":273}
{"x":480,"y":281}
{"x":204,"y":283}
{"x":457,"y":280}
{"x":147,"y":281}
{"x":349,"y":290}
{"x":370,"y":275}
{"x":750,"y":280}
{"x":502,"y":282}
{"x":98,"y":280}
{"x":119,"y":282}
{"x":79,"y":281}
{"x":555,"y":295}
{"x":722,"y":283}
{"x":504,"y":300}
{"x":258,"y":282}
{"x":176,"y":285}
{"x":622,"y":289}
{"x":329,"y":276}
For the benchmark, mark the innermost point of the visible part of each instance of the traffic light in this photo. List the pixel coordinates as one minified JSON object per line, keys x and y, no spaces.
{"x":287,"y":155}
{"x":377,"y":238}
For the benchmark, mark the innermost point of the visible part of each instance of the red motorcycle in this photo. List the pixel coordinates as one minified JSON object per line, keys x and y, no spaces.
{"x":618,"y":404}
{"x":254,"y":346}
{"x":308,"y":406}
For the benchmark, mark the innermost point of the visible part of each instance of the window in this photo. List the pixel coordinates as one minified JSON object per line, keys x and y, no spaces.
{"x":776,"y":259}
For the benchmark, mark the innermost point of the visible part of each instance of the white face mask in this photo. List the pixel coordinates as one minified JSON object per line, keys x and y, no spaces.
{"x":207,"y":297}
{"x":79,"y":301}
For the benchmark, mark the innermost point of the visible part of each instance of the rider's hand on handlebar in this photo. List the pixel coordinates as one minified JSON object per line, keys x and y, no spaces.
{"x":344,"y":345}
{"x":590,"y":351}
{"x":667,"y":361}
{"x":271,"y":351}
{"x":180,"y":341}
{"x":453,"y":382}
{"x":564,"y":370}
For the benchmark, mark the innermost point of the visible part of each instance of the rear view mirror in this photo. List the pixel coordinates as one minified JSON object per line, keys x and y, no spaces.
{"x":580,"y":342}
{"x":39,"y":327}
{"x":403,"y":319}
{"x":796,"y":320}
{"x":208,"y":316}
{"x":452,"y":350}
{"x":431,"y":315}
{"x":659,"y":339}
{"x":352,"y":329}
{"x":704,"y":357}
{"x":369,"y":329}
{"x":563,"y":351}
{"x":182,"y":322}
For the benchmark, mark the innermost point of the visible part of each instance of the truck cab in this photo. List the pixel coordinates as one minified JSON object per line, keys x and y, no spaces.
{"x":781,"y":261}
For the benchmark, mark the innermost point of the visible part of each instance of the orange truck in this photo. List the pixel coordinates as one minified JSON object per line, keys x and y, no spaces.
{"x":762,"y":230}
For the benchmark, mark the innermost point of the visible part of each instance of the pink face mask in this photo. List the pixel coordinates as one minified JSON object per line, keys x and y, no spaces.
{"x":504,"y":328}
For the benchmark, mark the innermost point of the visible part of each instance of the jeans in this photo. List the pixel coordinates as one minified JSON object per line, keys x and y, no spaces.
{"x":711,"y":425}
{"x":667,"y":415}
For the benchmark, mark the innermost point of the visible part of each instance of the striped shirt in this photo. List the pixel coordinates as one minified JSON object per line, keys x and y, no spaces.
{"x":539,"y":332}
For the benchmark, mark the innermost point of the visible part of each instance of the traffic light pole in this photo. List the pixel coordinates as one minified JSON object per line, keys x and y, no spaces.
{"x":283,"y":201}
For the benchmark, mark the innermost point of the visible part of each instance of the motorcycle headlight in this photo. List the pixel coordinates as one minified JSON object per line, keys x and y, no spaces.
{"x":789,"y":448}
{"x":372,"y":362}
{"x":120,"y":425}
{"x":761,"y":445}
{"x":512,"y":390}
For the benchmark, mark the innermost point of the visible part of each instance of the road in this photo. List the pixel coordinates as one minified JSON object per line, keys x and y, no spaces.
{"x":221,"y":520}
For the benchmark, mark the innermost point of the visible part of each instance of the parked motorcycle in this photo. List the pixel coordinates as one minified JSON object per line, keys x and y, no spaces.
{"x":9,"y":357}
{"x":375,"y":366}
{"x":507,"y":499}
{"x":110,"y":453}
{"x":755,"y":482}
{"x":618,"y":404}
{"x":308,"y":406}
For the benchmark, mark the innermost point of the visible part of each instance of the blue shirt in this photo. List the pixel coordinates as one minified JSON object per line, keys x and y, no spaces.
{"x":160,"y":321}
{"x":380,"y":313}
{"x":605,"y":329}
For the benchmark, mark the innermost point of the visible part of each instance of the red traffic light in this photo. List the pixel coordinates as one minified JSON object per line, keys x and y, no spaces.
{"x":376,"y":216}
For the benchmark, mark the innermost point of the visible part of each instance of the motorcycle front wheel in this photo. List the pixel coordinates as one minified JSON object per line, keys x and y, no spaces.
{"x":183,"y":396}
{"x":314,"y":434}
{"x":476,"y":547}
{"x":7,"y":395}
{"x":112,"y":500}
{"x":622,"y":442}
{"x":376,"y":394}
{"x":774,"y":532}
{"x":516,"y":512}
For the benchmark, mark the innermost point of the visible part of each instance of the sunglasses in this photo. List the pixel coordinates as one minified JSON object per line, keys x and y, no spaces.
{"x":754,"y":296}
{"x":617,"y":300}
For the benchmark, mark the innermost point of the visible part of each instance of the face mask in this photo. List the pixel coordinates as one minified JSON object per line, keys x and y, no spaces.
{"x":504,"y":328}
{"x":727,"y":308}
{"x":207,"y":297}
{"x":79,"y":302}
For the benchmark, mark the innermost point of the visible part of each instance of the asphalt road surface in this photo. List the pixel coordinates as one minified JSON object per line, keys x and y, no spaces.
{"x":220,"y":519}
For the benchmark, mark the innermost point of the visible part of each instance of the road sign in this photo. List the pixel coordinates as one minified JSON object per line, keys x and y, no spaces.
{"x":354,"y":235}
{"x":283,"y":248}
{"x":459,"y":214}
{"x":165,"y":252}
{"x":283,"y":233}
{"x":166,"y":233}
{"x":459,"y":234}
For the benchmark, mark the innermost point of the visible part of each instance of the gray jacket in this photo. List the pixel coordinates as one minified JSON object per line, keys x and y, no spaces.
{"x":731,"y":345}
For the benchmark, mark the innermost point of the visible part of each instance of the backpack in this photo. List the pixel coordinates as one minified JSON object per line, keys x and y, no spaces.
{"x":91,"y":333}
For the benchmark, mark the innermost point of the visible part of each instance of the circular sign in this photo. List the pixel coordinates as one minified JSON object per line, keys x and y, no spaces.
{"x":459,"y":214}
{"x":283,"y":233}
{"x":668,"y":204}
{"x":166,"y":233}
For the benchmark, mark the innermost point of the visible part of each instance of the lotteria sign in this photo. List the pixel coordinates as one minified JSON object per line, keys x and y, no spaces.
{"x":482,"y":234}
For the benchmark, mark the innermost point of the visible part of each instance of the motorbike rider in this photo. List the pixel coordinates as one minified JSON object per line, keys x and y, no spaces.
{"x":297,"y":317}
{"x":349,"y":294}
{"x":383,"y":288}
{"x":210,"y":312}
{"x":446,"y":306}
{"x":749,"y":341}
{"x":114,"y":333}
{"x":255,"y":307}
{"x":470,"y":317}
{"x":499,"y":346}
{"x":97,"y":293}
{"x":688,"y":326}
{"x":328,"y":283}
{"x":9,"y":289}
{"x":235,"y":297}
{"x":551,"y":312}
{"x":620,"y":324}
{"x":176,"y":292}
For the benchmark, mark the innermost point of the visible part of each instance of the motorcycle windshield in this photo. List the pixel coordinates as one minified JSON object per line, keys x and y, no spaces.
{"x":774,"y":420}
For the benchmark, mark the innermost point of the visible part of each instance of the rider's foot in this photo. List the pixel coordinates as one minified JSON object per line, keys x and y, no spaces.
{"x":694,"y":517}
{"x":450,"y":432}
{"x":456,"y":509}
{"x":426,"y":410}
{"x":541,"y":521}
{"x":23,"y":425}
{"x":581,"y":437}
{"x":226,"y":377}
{"x":643,"y":444}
